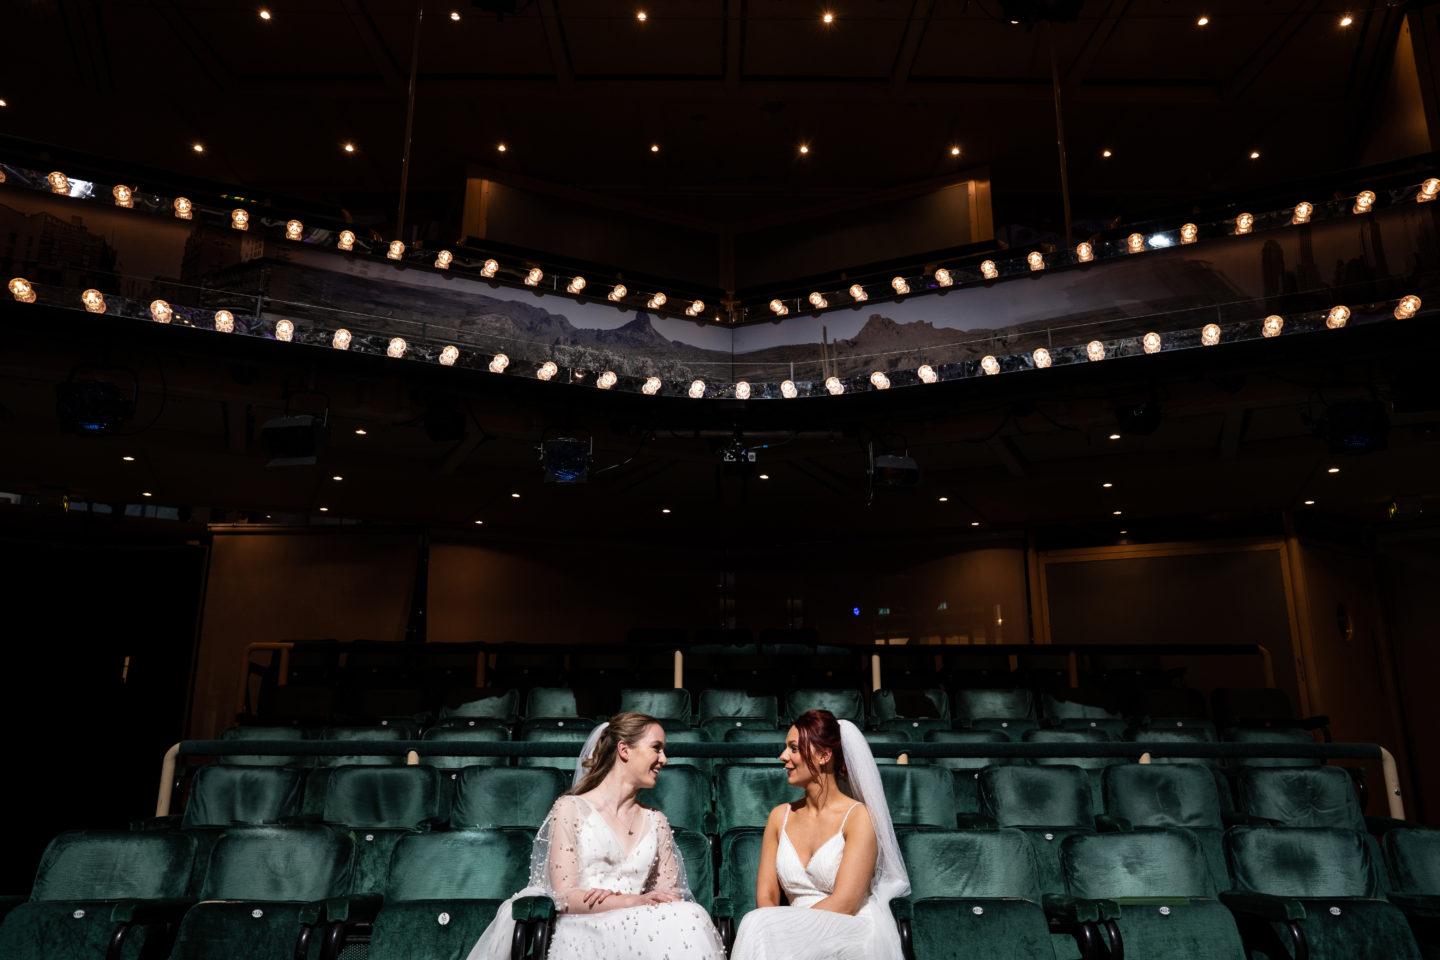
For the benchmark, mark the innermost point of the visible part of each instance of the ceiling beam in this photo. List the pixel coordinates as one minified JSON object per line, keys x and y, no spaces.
{"x":1105,"y":28}
{"x":390,"y":76}
{"x":910,"y":44}
{"x":555,"y":40}
{"x":1260,"y":60}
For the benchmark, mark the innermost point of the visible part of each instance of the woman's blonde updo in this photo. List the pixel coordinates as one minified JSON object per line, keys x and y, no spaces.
{"x":629,"y":727}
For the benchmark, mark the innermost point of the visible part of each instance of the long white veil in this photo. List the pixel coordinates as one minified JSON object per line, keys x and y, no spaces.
{"x":890,"y":879}
{"x":586,"y":752}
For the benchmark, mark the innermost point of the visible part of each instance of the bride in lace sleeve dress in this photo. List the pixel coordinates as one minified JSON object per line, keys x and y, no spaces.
{"x":833,"y":853}
{"x":611,"y":865}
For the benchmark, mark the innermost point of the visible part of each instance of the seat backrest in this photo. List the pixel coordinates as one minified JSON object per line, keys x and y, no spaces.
{"x":387,"y":730}
{"x":502,"y":705}
{"x":1247,"y":706}
{"x":574,"y":736}
{"x":716,"y":727}
{"x":1027,"y":796}
{"x":115,"y":865}
{"x":382,"y":798}
{"x":683,"y":794}
{"x":887,"y":704}
{"x":1302,"y":862}
{"x":1300,"y":796}
{"x":737,"y":703}
{"x":740,"y":865}
{"x":1176,"y":730}
{"x":982,"y":702}
{"x":1277,"y":735}
{"x":505,"y":796}
{"x":919,"y":795}
{"x":1079,"y":703}
{"x":914,"y":728}
{"x":845,"y":704}
{"x":1414,"y":857}
{"x":484,"y":731}
{"x":1052,"y":735}
{"x":769,"y":735}
{"x":262,"y":733}
{"x":663,"y":704}
{"x":483,"y":864}
{"x":970,"y":864}
{"x":1163,"y":795}
{"x":279,"y":863}
{"x":886,"y":736}
{"x":747,"y":792}
{"x":221,"y":795}
{"x":694,"y":849}
{"x":966,"y":736}
{"x":1164,"y":862}
{"x":551,"y":702}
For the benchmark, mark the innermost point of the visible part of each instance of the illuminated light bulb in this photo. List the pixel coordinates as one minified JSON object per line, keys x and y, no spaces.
{"x":60,"y":184}
{"x":1189,"y":233}
{"x":1210,"y":334}
{"x":397,"y":348}
{"x":1245,"y":223}
{"x":1272,"y":326}
{"x":858,"y":294}
{"x":455,"y":15}
{"x":788,"y":390}
{"x":828,"y":18}
{"x":927,"y":373}
{"x":804,"y":148}
{"x":500,"y":147}
{"x":1337,"y":317}
{"x":349,"y":148}
{"x":443,"y":260}
{"x":1428,"y":190}
{"x":1095,"y":350}
{"x":651,"y":387}
{"x":224,"y":321}
{"x":1364,"y":201}
{"x":2,"y":172}
{"x":954,"y":151}
{"x":285,"y":330}
{"x":990,"y":365}
{"x":696,"y":308}
{"x":656,"y":302}
{"x":264,"y":14}
{"x":182,"y":208}
{"x":1135,"y":242}
{"x":697,"y":389}
{"x":396,"y":251}
{"x":742,"y":391}
{"x":1202,"y":21}
{"x":294,"y":230}
{"x":1407,"y":307}
{"x":498,"y":363}
{"x":818,"y":301}
{"x":901,"y":287}
{"x":575,"y":285}
{"x":1035,"y":260}
{"x":654,"y":148}
{"x":1346,"y":20}
{"x":347,"y":240}
{"x":22,"y":290}
{"x":449,"y":355}
{"x":1152,"y":343}
{"x":239,"y":220}
{"x":489,"y":268}
{"x":988,"y":270}
{"x":341,"y":339}
{"x":778,"y":308}
{"x":533,"y":278}
{"x":160,"y":311}
{"x":943,"y":277}
{"x":1254,"y":154}
{"x":93,"y":300}
{"x":123,"y":195}
{"x":640,"y":15}
{"x":834,"y":385}
{"x":1084,"y":252}
{"x":547,"y":370}
{"x":617,"y":293}
{"x":879,"y":381}
{"x":1041,"y":358}
{"x":606,"y":380}
{"x":1302,"y":212}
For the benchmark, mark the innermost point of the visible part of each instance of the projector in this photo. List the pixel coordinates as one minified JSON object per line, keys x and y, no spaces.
{"x":294,"y":441}
{"x":889,"y":470}
{"x":92,"y":408}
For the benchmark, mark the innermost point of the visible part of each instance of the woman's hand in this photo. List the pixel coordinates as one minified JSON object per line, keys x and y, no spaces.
{"x":657,"y":896}
{"x":593,"y":898}
{"x":599,"y":900}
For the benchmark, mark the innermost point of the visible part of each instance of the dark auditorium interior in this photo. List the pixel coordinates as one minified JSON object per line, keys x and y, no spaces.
{"x":392,"y":390}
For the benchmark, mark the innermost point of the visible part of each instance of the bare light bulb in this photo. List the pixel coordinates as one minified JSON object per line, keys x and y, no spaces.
{"x":1364,"y":202}
{"x":1210,"y":334}
{"x":443,"y":259}
{"x":547,"y":370}
{"x":182,"y":208}
{"x":489,"y":268}
{"x":449,"y":355}
{"x":1407,"y":307}
{"x":160,"y":311}
{"x":1095,"y":350}
{"x":788,"y":390}
{"x":990,"y":365}
{"x":879,"y":381}
{"x":285,"y":330}
{"x":858,"y":294}
{"x":533,"y":278}
{"x":239,"y":219}
{"x":1337,"y":317}
{"x":696,"y":308}
{"x":397,"y":348}
{"x":1135,"y":242}
{"x":834,"y":385}
{"x":347,"y":240}
{"x":294,"y":230}
{"x":1245,"y":223}
{"x":1272,"y":326}
{"x":1084,"y":252}
{"x":124,"y":197}
{"x":498,"y":363}
{"x":93,"y":300}
{"x":575,"y":285}
{"x":778,"y":308}
{"x":697,"y":389}
{"x":1428,"y":189}
{"x":927,"y":373}
{"x":606,"y":380}
{"x":742,"y":391}
{"x":656,"y":302}
{"x":899,"y":285}
{"x":1036,"y":260}
{"x":396,"y":251}
{"x":224,"y":321}
{"x":1189,"y":233}
{"x":988,"y":270}
{"x":943,"y":277}
{"x":22,"y":290}
{"x":617,"y":293}
{"x":651,"y":387}
{"x":1152,"y":343}
{"x":60,"y":184}
{"x":1041,"y":358}
{"x":1302,"y":212}
{"x":341,"y":339}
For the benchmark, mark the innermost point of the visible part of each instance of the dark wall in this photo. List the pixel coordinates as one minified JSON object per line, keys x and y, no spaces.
{"x":1408,"y":572}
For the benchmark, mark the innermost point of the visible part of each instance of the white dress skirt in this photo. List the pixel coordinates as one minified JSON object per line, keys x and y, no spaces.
{"x":799,"y":933}
{"x":581,"y":852}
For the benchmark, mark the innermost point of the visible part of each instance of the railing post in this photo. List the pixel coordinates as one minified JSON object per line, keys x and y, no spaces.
{"x":1392,"y":784}
{"x":167,"y":781}
{"x":679,"y":669}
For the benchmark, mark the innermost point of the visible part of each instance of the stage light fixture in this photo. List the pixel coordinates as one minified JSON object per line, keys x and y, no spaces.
{"x":93,"y":408}
{"x":498,"y":363}
{"x":183,"y":208}
{"x":1189,"y":233}
{"x":1041,"y":358}
{"x":778,"y":308}
{"x":239,"y":219}
{"x":489,"y":268}
{"x":1407,"y":307}
{"x":1084,"y":252}
{"x":347,"y":240}
{"x":1364,"y":202}
{"x":617,"y":293}
{"x":22,"y":290}
{"x":575,"y":285}
{"x":1135,"y":242}
{"x":533,"y":278}
{"x":1244,"y":223}
{"x":858,"y":294}
{"x":897,"y":283}
{"x":294,"y":230}
{"x":697,"y":389}
{"x":1337,"y":317}
{"x":892,"y":471}
{"x":443,"y":259}
{"x":547,"y":370}
{"x":927,"y":373}
{"x":817,"y":301}
{"x":1272,"y":326}
{"x":1302,"y":213}
{"x":1210,"y":334}
{"x":990,"y":365}
{"x":224,"y":321}
{"x":124,"y":196}
{"x":988,"y":270}
{"x":651,"y":387}
{"x":656,"y":301}
{"x":93,"y":300}
{"x":943,"y":277}
{"x":696,"y":308}
{"x":160,"y":311}
{"x":879,"y":381}
{"x":60,"y":184}
{"x":295,"y":440}
{"x":1152,"y":342}
{"x":742,"y":391}
{"x":1095,"y":350}
{"x":1428,"y":190}
{"x":341,"y":339}
{"x":395,"y":251}
{"x":606,"y":380}
{"x":284,"y":330}
{"x":449,"y":355}
{"x":1036,"y":260}
{"x":566,"y":460}
{"x":834,"y":385}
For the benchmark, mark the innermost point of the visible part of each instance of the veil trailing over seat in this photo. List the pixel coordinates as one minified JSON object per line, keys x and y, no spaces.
{"x":890,"y":880}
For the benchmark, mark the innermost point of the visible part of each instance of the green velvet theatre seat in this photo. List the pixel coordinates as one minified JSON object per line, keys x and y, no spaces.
{"x":919,"y":796}
{"x":845,"y":704}
{"x":699,"y":866}
{"x":718,"y":703}
{"x":572,"y":736}
{"x":1263,"y":735}
{"x":887,"y":736}
{"x":668,"y":703}
{"x":221,"y":795}
{"x":384,"y":730}
{"x":1048,"y":803}
{"x":915,"y":728}
{"x":965,"y":771}
{"x":550,"y":702}
{"x":718,"y":728}
{"x":1300,"y":796}
{"x":772,"y":736}
{"x":1414,"y":858}
{"x":747,"y":792}
{"x":379,"y":805}
{"x":436,"y":739}
{"x":739,"y":866}
{"x":263,"y":733}
{"x":688,"y":735}
{"x":931,"y":704}
{"x":90,"y":883}
{"x":974,"y":894}
{"x":684,"y":795}
{"x":994,"y":704}
{"x":258,"y":881}
{"x":1094,"y":767}
{"x":1184,"y":795}
{"x":1316,"y":885}
{"x":443,"y":891}
{"x":505,"y":796}
{"x":501,"y":705}
{"x":1162,"y":885}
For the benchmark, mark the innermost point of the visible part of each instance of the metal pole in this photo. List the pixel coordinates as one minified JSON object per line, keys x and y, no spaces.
{"x":1059,"y":134}
{"x":409,"y":121}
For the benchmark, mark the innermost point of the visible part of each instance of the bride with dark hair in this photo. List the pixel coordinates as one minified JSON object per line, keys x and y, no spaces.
{"x":833,"y":853}
{"x":610,"y":864}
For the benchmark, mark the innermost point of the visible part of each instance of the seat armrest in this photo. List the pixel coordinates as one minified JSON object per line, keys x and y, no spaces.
{"x":532,"y":909}
{"x":1105,"y":823}
{"x":156,"y":824}
{"x":358,"y":908}
{"x":304,"y":820}
{"x":151,"y":911}
{"x":975,"y":821}
{"x":902,"y":909}
{"x":1059,"y":906}
{"x":1263,"y":905}
{"x":1417,"y":904}
{"x":723,"y":909}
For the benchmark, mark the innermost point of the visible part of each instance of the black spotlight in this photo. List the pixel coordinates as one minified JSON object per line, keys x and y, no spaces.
{"x":566,"y":460}
{"x":294,"y":440}
{"x":1357,"y":426}
{"x":893,"y":472}
{"x":1138,"y":419}
{"x":94,"y":408}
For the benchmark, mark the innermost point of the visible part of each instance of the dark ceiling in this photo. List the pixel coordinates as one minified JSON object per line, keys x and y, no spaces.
{"x":578,"y":91}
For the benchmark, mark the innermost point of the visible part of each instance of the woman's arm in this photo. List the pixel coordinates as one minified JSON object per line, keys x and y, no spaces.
{"x":670,"y":880}
{"x":767,"y":881}
{"x":857,"y":866}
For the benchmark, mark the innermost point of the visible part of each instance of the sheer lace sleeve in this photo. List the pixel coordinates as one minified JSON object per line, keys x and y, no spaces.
{"x":555,"y":859}
{"x":669,"y":873}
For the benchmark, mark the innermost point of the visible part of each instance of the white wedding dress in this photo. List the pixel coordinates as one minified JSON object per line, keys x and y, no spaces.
{"x":577,"y":849}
